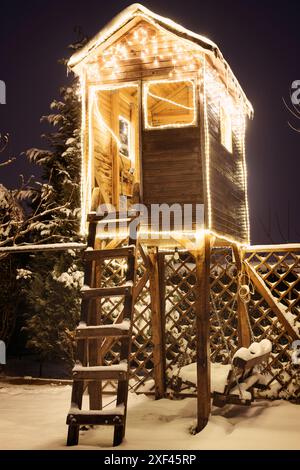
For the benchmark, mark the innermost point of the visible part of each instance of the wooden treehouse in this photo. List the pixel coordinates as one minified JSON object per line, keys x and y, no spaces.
{"x":163,"y":123}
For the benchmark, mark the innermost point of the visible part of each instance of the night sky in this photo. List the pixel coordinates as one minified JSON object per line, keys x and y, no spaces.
{"x":259,"y":39}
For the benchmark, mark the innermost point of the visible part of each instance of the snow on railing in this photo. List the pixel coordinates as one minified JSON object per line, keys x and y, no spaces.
{"x":46,"y":247}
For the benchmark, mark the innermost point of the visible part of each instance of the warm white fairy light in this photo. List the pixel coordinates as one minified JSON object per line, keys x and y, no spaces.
{"x":166,"y":126}
{"x":191,"y":239}
{"x":83,"y":170}
{"x":207,"y":148}
{"x":245,"y":179}
{"x":90,"y":152}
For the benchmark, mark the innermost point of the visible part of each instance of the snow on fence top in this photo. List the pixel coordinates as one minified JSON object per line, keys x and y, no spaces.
{"x":48,"y":247}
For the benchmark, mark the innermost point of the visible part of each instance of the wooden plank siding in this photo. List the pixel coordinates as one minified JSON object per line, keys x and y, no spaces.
{"x":172,"y":169}
{"x":102,"y":147}
{"x":226,"y":182}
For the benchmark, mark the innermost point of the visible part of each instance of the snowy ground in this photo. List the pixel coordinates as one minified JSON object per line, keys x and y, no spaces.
{"x":33,"y":417}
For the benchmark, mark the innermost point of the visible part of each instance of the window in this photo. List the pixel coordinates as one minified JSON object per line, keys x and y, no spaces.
{"x":226,"y":129}
{"x":124,"y":136}
{"x":169,"y":103}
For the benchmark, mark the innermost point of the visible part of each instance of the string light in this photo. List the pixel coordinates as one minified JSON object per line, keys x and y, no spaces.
{"x":83,"y":191}
{"x":207,"y":148}
{"x":245,"y":179}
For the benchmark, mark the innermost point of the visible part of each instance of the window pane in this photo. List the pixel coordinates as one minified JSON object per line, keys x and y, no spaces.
{"x":226,"y":129}
{"x":170,"y":104}
{"x":124,"y":134}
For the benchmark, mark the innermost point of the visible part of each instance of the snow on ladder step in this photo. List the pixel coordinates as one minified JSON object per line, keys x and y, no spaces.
{"x":118,"y":291}
{"x":116,"y":329}
{"x":98,"y":373}
{"x":108,"y":416}
{"x":124,"y":252}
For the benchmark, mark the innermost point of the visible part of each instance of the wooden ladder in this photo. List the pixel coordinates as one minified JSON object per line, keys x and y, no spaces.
{"x":89,"y":331}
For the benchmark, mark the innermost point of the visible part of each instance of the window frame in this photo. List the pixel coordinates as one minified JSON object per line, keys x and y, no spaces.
{"x":147,"y":126}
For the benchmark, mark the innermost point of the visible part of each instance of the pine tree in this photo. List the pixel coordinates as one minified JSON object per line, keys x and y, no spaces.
{"x":11,"y":219}
{"x":52,"y":289}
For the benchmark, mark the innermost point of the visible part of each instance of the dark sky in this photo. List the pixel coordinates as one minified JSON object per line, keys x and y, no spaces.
{"x":260,"y":40}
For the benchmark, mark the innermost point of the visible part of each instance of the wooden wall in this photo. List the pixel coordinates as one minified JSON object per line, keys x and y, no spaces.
{"x":102,"y":147}
{"x":226,"y":182}
{"x":172,"y":168}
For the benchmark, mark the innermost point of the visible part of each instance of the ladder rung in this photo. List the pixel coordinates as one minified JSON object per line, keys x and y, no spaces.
{"x":115,"y":216}
{"x":98,"y":373}
{"x":125,"y":252}
{"x":110,"y":416}
{"x":118,"y":291}
{"x":119,"y":329}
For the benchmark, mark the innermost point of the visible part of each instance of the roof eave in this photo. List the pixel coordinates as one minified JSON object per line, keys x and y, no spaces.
{"x":135,"y":10}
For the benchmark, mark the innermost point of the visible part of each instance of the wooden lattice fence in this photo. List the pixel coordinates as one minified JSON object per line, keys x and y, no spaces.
{"x":280,"y":271}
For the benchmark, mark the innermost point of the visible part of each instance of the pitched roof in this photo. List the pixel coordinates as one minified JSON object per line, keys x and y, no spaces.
{"x":136,"y":10}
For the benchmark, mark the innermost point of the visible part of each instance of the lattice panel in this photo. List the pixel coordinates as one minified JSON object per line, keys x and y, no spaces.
{"x":280,"y":270}
{"x":224,"y":322}
{"x":180,"y":327}
{"x":180,"y":333}
{"x":142,"y":347}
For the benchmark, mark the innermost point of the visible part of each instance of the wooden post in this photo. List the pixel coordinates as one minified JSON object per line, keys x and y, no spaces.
{"x":202,"y":257}
{"x":244,"y":331}
{"x":157,"y":330}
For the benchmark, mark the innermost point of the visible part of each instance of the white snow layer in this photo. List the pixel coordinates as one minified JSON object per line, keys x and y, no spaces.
{"x":254,"y":350}
{"x":33,"y":417}
{"x":218,"y":373}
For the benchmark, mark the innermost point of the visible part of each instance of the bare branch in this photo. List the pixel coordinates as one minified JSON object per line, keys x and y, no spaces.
{"x":4,"y":139}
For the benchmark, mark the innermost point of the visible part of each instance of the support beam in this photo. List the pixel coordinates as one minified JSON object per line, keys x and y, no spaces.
{"x":202,"y":259}
{"x":157,"y":330}
{"x":244,"y":331}
{"x":273,"y":303}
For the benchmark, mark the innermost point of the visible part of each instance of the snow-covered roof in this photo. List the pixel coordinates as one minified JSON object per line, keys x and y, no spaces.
{"x":136,"y":10}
